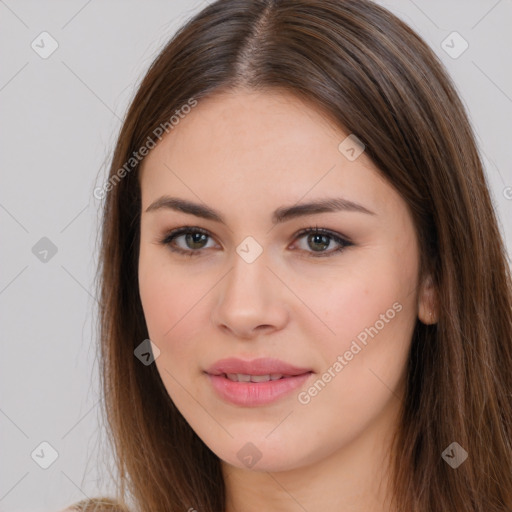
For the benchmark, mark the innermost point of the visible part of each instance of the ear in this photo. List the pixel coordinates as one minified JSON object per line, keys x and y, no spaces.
{"x":428,"y":306}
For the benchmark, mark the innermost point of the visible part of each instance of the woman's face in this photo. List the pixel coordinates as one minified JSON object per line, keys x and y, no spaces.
{"x":250,"y":285}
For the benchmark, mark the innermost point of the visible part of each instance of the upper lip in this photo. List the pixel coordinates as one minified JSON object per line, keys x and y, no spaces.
{"x":261,"y":366}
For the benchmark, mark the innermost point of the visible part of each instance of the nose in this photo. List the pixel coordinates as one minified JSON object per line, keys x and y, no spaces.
{"x":251,"y":300}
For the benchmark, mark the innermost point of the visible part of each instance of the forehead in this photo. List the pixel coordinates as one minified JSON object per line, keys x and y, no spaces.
{"x":247,"y":145}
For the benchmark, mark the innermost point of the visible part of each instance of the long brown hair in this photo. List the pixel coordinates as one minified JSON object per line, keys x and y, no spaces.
{"x":375,"y":77}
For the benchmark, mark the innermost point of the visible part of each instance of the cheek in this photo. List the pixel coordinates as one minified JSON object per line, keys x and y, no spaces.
{"x":175,"y":317}
{"x":373,"y":317}
{"x":171,"y":301}
{"x":347,"y":304}
{"x":368,"y":314}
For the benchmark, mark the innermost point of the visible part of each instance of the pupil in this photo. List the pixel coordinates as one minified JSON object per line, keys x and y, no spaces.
{"x":196,"y":237}
{"x":318,"y":239}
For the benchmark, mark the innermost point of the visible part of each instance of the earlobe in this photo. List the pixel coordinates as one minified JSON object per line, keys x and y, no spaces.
{"x":428,"y":307}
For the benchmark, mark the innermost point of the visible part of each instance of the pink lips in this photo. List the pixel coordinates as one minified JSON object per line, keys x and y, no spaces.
{"x":255,"y":393}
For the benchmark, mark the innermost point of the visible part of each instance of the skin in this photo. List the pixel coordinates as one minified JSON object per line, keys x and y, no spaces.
{"x":246,"y":153}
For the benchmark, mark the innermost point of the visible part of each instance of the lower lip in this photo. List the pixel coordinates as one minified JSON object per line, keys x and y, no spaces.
{"x":250,"y":394}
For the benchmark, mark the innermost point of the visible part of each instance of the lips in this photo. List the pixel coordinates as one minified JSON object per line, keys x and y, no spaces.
{"x":273,"y":368}
{"x":258,"y":382}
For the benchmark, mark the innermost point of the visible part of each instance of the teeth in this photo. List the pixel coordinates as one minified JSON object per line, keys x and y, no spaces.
{"x":242,"y":377}
{"x":238,"y":377}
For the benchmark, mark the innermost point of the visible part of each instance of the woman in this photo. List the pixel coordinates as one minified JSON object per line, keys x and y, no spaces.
{"x":305,"y":298}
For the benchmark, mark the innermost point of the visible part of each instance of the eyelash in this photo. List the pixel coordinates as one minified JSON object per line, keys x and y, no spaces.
{"x":175,"y":233}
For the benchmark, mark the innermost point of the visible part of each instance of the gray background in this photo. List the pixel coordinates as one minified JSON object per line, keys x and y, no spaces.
{"x":60,"y":117}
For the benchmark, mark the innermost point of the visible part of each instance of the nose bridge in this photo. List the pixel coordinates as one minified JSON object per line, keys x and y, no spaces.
{"x":248,"y":294}
{"x":249,"y":270}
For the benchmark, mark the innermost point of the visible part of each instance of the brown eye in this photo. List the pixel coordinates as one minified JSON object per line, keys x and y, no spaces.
{"x":193,"y":240}
{"x":318,"y":240}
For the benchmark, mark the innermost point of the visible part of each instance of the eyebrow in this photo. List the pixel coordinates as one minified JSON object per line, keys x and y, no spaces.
{"x":280,"y":215}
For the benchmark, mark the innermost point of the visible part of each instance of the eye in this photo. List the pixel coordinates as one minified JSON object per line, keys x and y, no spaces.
{"x":195,"y":240}
{"x":319,"y":239}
